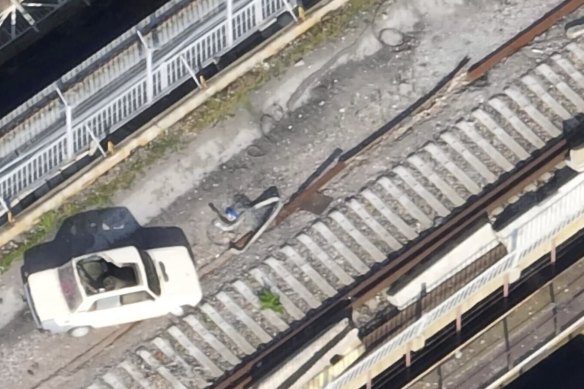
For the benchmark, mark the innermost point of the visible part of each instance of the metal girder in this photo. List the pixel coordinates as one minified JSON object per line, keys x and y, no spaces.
{"x":19,"y":16}
{"x":17,"y":6}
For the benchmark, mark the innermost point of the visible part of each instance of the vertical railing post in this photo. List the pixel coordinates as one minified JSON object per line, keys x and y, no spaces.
{"x":439,"y":374}
{"x":229,"y":21}
{"x":70,"y":138}
{"x":259,"y":13}
{"x":7,"y":210}
{"x":164,"y":76}
{"x":149,"y":70}
{"x":149,"y":76}
{"x":506,"y":285}
{"x":68,"y":125}
{"x":554,"y":307}
{"x":408,"y":356}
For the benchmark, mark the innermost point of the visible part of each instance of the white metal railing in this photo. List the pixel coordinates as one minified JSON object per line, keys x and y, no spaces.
{"x":108,"y":64}
{"x":551,"y":218}
{"x":85,"y":106}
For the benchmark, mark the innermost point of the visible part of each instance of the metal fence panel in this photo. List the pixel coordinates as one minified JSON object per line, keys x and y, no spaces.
{"x":120,"y":81}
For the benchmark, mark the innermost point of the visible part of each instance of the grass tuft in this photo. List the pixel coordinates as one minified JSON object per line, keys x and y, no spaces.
{"x":270,"y":300}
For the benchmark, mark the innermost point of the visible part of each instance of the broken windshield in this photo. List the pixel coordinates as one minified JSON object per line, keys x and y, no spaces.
{"x":99,"y":275}
{"x":69,"y":286}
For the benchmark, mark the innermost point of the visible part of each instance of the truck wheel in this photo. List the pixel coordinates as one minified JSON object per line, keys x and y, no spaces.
{"x":79,"y":332}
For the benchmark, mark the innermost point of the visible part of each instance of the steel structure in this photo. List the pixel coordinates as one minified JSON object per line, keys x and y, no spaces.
{"x":540,"y":230}
{"x":17,"y":17}
{"x":61,"y":123}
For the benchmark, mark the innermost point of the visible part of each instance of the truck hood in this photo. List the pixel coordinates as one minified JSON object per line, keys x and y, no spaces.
{"x":178,"y":277}
{"x":47,"y":297}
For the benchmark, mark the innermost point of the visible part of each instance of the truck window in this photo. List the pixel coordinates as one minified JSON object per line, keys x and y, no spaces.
{"x":69,"y":286}
{"x":136,"y":297}
{"x":106,"y":303}
{"x":151,"y":275}
{"x":98,"y":275}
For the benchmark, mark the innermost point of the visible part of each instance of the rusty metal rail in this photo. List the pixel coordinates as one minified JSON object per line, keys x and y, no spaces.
{"x":457,"y":223}
{"x":309,"y":195}
{"x":485,"y":314}
{"x":540,"y":26}
{"x":398,"y":265}
{"x":476,"y":71}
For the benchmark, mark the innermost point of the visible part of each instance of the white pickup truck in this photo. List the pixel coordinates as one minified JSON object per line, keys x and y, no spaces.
{"x":112,"y":287}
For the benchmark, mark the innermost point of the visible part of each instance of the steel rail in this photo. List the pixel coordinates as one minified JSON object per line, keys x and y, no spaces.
{"x":480,"y":68}
{"x":242,"y":375}
{"x":396,"y":266}
{"x":303,"y":197}
{"x":458,"y":222}
{"x":398,"y":320}
{"x":476,"y":71}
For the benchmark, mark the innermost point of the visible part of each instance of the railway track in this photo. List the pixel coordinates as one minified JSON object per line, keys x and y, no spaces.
{"x":229,"y":331}
{"x":492,"y":308}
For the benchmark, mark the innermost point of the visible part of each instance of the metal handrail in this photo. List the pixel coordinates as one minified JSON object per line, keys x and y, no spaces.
{"x":121,"y":81}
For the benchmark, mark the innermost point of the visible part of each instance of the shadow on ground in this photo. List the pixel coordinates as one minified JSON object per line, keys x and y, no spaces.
{"x":98,"y":230}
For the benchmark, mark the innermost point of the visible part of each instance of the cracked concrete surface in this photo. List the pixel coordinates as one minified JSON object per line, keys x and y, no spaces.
{"x":332,"y":98}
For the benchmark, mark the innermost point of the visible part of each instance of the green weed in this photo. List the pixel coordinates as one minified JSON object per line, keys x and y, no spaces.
{"x":270,"y":300}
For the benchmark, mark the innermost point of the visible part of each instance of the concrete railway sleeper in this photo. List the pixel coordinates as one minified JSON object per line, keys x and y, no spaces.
{"x":373,"y":240}
{"x":546,"y":228}
{"x":211,"y":329}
